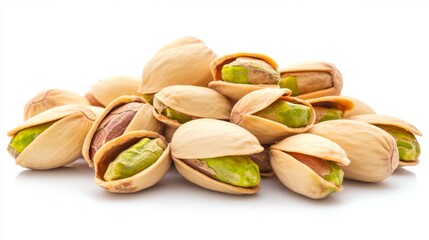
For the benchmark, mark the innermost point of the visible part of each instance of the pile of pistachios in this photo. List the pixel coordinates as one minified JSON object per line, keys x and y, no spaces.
{"x":224,"y":121}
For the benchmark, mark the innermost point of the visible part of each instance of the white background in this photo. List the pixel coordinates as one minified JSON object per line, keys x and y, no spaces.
{"x":381,"y":48}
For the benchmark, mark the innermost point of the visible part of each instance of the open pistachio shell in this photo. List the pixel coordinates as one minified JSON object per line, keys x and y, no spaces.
{"x":336,"y":102}
{"x":376,"y":119}
{"x":265,"y":130}
{"x":299,"y":177}
{"x":51,"y":98}
{"x":144,"y":179}
{"x":178,"y":63}
{"x":372,"y":151}
{"x":359,"y":108}
{"x":195,"y":101}
{"x":209,"y":138}
{"x":106,"y":90}
{"x":236,"y":91}
{"x":314,"y":79}
{"x":142,"y":120}
{"x":61,"y":143}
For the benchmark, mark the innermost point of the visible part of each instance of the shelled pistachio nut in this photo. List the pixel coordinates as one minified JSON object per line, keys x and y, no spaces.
{"x":309,"y":164}
{"x":262,"y":159}
{"x":106,"y":90}
{"x":122,"y":115}
{"x":182,"y":62}
{"x":214,"y":154}
{"x":402,"y":131}
{"x":132,"y":162}
{"x":238,"y":74}
{"x":312,"y":80}
{"x":51,"y":98}
{"x":372,"y":151}
{"x":359,"y":108}
{"x":175,"y":105}
{"x":51,"y":139}
{"x":271,"y":115}
{"x":330,"y":107}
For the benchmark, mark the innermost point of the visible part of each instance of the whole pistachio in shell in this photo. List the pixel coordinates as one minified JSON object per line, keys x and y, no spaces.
{"x":372,"y":151}
{"x":359,"y":108}
{"x":238,"y":74}
{"x":182,"y":62}
{"x":122,"y":115}
{"x":214,"y":154}
{"x":132,"y":162}
{"x":402,"y":131}
{"x":311,"y":80}
{"x":106,"y":90}
{"x":51,"y":139}
{"x":271,"y":115}
{"x":175,"y":105}
{"x":330,"y":107}
{"x":309,"y":164}
{"x":51,"y":98}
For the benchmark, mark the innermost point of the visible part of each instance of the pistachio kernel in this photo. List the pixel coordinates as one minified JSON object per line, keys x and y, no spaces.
{"x":291,"y":83}
{"x":327,"y":114}
{"x":287,"y":113}
{"x":176,"y":115}
{"x":408,"y":146}
{"x":246,"y":70}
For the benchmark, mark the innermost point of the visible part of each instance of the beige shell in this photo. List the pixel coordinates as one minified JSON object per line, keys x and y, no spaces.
{"x":106,"y":90}
{"x":265,"y":130}
{"x":51,"y":98}
{"x":62,"y":142}
{"x":358,"y":109}
{"x":144,"y":179}
{"x":177,"y":64}
{"x":199,"y":102}
{"x":236,"y":91}
{"x":337,"y":80}
{"x":372,"y":151}
{"x":206,"y":138}
{"x":297,"y":176}
{"x":181,"y":42}
{"x":391,"y":121}
{"x":143,"y":120}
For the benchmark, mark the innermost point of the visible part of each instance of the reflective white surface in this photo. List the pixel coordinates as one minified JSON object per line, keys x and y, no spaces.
{"x":381,"y":48}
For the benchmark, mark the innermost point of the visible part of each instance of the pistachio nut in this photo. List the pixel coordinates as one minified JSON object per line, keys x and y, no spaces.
{"x":214,"y":154}
{"x":238,"y":74}
{"x":309,"y":164}
{"x":262,"y":159}
{"x":132,"y":162}
{"x":271,"y":115}
{"x":49,"y":139}
{"x":330,"y":107}
{"x":182,"y":62}
{"x":122,"y":115}
{"x":51,"y":98}
{"x":175,"y":105}
{"x":311,"y":80}
{"x":402,"y":131}
{"x":372,"y":151}
{"x":106,"y":90}
{"x":359,"y":108}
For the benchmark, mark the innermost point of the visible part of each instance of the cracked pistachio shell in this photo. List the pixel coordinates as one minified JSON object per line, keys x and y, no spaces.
{"x":144,"y":179}
{"x":106,"y":90}
{"x":371,"y":150}
{"x":210,"y":138}
{"x":198,"y":102}
{"x":142,"y":120}
{"x":183,"y":62}
{"x":376,"y":119}
{"x":317,"y":79}
{"x":299,"y":177}
{"x":265,"y":130}
{"x":61,"y":143}
{"x":359,"y":108}
{"x":51,"y":98}
{"x":338,"y":102}
{"x":236,"y":91}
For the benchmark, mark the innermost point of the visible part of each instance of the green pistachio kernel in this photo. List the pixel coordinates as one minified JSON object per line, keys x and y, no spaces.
{"x":239,"y":171}
{"x":290,"y":114}
{"x":235,"y":74}
{"x":330,"y":114}
{"x":148,"y":98}
{"x":247,"y":70}
{"x":335,"y":175}
{"x":291,"y":83}
{"x":408,"y":146}
{"x":135,"y":159}
{"x":24,"y":137}
{"x":176,"y":115}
